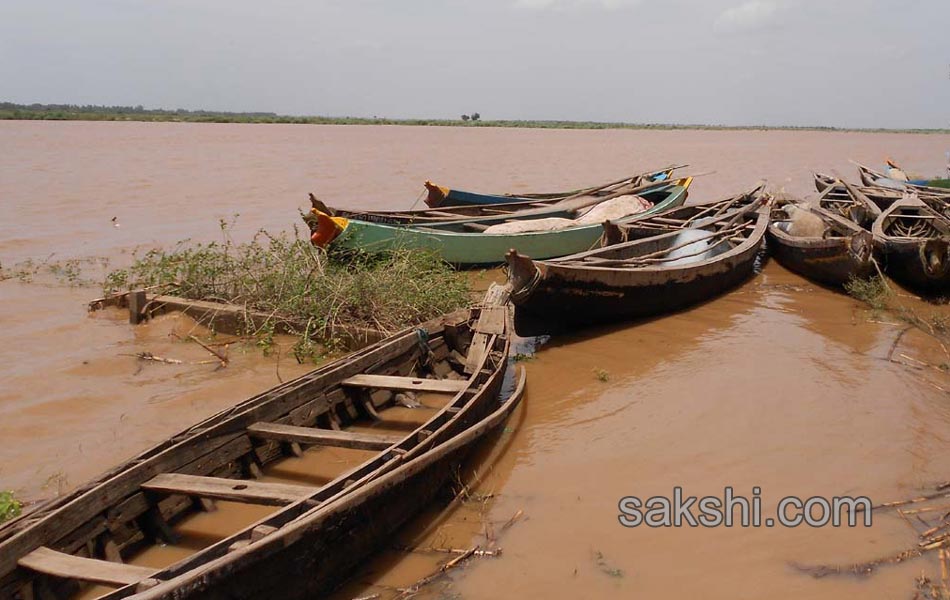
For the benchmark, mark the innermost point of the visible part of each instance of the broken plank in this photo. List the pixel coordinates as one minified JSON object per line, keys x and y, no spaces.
{"x":235,"y":490}
{"x":59,"y":564}
{"x":418,"y":384}
{"x":321,"y":437}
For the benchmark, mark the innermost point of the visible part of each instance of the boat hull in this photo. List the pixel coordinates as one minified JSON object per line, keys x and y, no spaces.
{"x":479,"y":249}
{"x":831,"y":262}
{"x":906,"y":262}
{"x":314,"y":556}
{"x":594,"y":296}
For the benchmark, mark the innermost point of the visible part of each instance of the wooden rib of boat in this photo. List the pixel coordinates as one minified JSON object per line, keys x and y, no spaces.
{"x":915,"y":240}
{"x":440,"y":196}
{"x":850,"y":203}
{"x":316,"y":533}
{"x":842,"y":253}
{"x":463,"y":242}
{"x":652,"y":266}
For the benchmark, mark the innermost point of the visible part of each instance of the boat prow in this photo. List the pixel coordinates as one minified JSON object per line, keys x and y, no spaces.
{"x":523,"y":275}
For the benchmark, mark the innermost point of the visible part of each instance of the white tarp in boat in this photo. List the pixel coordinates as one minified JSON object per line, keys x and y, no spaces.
{"x":613,"y":210}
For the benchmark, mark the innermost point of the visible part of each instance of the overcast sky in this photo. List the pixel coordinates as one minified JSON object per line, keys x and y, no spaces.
{"x":854,"y":63}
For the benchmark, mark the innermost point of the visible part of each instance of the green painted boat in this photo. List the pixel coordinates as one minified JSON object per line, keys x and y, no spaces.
{"x":462,"y":242}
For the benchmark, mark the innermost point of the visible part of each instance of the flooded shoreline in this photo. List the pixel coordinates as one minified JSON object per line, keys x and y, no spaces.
{"x":779,"y":384}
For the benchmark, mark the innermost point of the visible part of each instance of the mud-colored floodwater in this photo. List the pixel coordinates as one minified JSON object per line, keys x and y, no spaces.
{"x":779,"y":384}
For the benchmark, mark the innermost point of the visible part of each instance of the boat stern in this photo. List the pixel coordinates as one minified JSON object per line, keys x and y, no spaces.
{"x":436,"y":194}
{"x":523,"y":276}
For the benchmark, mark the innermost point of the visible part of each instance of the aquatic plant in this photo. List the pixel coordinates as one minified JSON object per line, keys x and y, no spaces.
{"x":311,"y":291}
{"x":10,"y":507}
{"x":873,"y":291}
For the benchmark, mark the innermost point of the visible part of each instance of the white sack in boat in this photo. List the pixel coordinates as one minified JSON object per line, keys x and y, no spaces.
{"x":688,"y":251}
{"x":896,"y":174}
{"x":802,"y":223}
{"x":527,"y":225}
{"x":614,"y":209}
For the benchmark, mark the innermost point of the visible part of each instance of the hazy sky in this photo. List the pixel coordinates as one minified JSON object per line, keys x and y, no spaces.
{"x":859,"y":63}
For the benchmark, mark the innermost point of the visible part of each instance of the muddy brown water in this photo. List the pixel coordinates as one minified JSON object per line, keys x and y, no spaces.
{"x":779,"y":384}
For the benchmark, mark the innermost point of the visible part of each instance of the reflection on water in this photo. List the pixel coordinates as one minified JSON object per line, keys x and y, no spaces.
{"x":779,"y":384}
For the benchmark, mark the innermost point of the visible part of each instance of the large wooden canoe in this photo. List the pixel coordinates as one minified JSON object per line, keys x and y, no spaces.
{"x":882,"y":197}
{"x":461,"y":241}
{"x":915,"y":240}
{"x":440,"y":196}
{"x":317,"y":533}
{"x":651,"y":266}
{"x":842,"y":253}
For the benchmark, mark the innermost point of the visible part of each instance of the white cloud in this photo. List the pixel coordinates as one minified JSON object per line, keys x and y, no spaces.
{"x":558,"y":5}
{"x":753,"y":15}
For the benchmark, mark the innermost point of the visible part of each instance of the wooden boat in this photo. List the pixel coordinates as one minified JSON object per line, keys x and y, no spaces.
{"x":650,"y":266}
{"x":316,"y":534}
{"x":870,"y":177}
{"x":915,"y":240}
{"x":483,"y":213}
{"x":850,"y":203}
{"x":463,"y":241}
{"x":882,"y":197}
{"x":439,"y":196}
{"x":842,"y":253}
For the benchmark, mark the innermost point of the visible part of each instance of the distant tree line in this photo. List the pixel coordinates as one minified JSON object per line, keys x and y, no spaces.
{"x":94,"y":109}
{"x":472,"y":117}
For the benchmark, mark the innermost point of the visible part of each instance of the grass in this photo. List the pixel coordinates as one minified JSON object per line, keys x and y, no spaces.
{"x":602,"y":375}
{"x":873,"y":292}
{"x":10,"y":507}
{"x":286,"y":276}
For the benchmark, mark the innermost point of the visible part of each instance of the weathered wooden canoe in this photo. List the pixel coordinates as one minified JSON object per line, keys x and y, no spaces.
{"x":870,"y":177}
{"x":915,"y":240}
{"x":439,"y":196}
{"x":481,"y":214}
{"x":316,"y":533}
{"x":850,"y":203}
{"x":882,"y":197}
{"x":651,"y":266}
{"x":844,"y":252}
{"x":462,"y":241}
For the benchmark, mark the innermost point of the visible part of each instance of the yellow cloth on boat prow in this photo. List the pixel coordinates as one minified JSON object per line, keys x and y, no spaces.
{"x":327,"y":228}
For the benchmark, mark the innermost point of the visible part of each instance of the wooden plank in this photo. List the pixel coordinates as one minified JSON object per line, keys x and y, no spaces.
{"x":235,"y":490}
{"x":476,"y":352}
{"x":492,"y":320}
{"x":417,"y":384}
{"x":321,"y":437}
{"x":50,"y":562}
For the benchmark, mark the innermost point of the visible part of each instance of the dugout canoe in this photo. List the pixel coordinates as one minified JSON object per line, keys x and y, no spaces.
{"x":440,"y":196}
{"x":462,"y":242}
{"x":915,"y":241}
{"x":652,"y":266}
{"x":317,"y":533}
{"x":843,"y":252}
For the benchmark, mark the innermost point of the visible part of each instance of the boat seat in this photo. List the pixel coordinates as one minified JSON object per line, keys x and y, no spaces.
{"x":321,"y":437}
{"x":59,"y":564}
{"x":415,"y":384}
{"x":234,"y":490}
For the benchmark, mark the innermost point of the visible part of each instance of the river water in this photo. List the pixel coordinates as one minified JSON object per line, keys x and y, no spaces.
{"x":779,"y":384}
